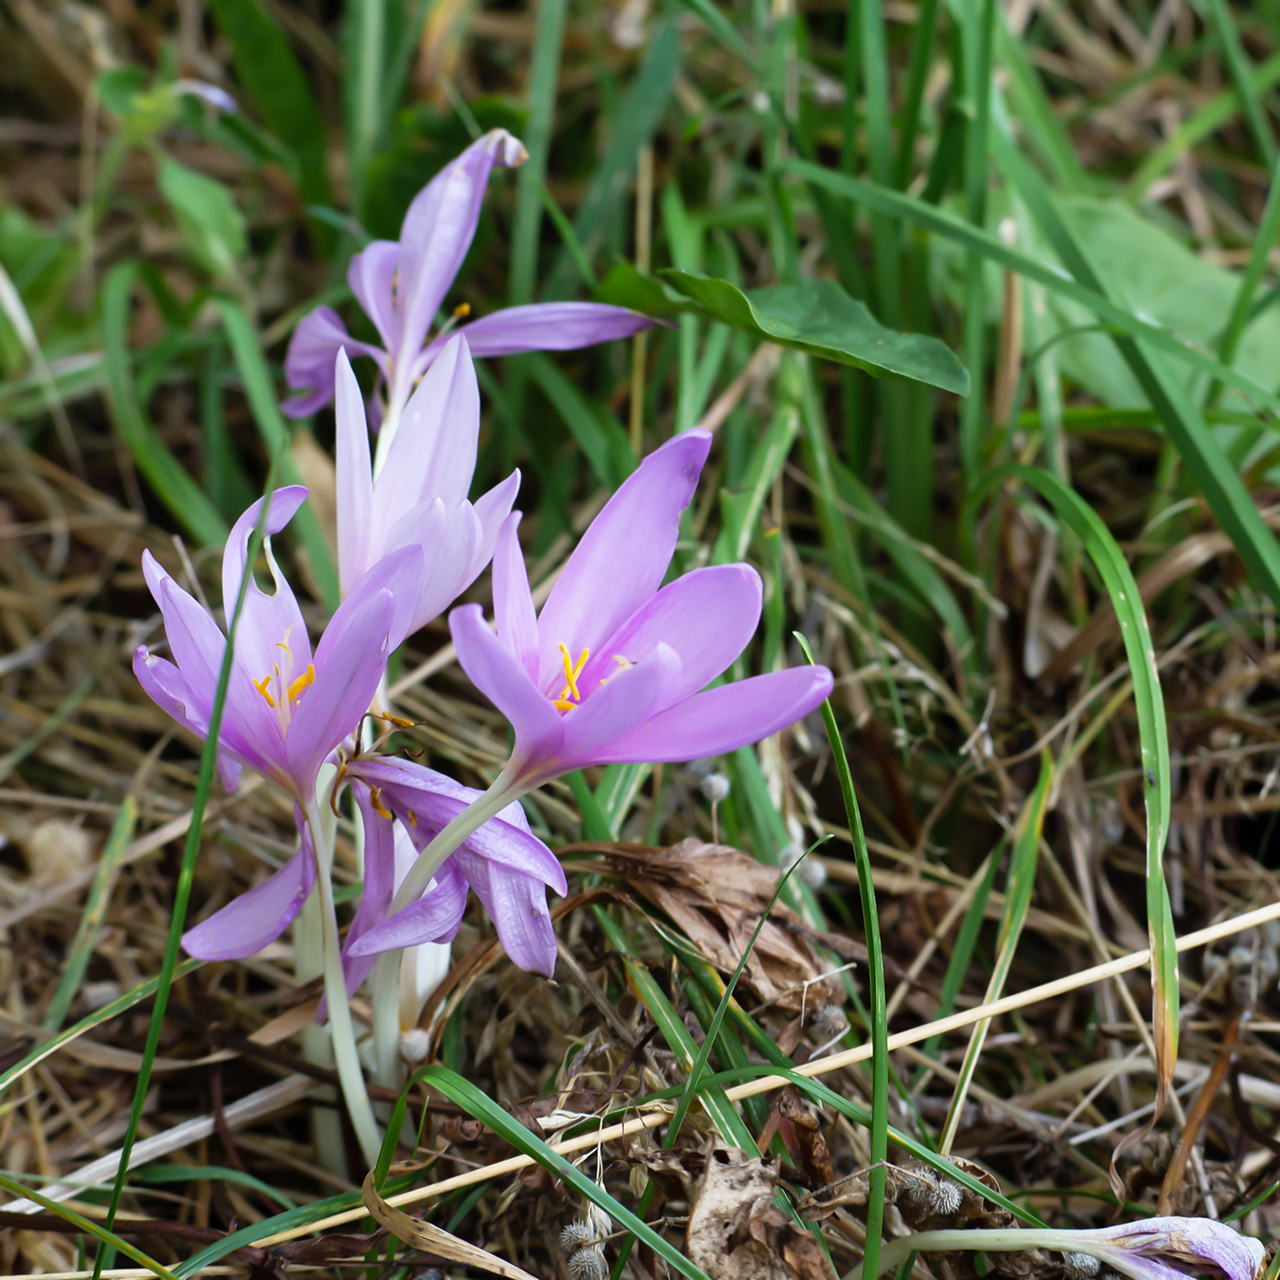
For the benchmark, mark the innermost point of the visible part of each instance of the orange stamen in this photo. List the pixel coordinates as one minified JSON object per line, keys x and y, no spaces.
{"x":304,"y":681}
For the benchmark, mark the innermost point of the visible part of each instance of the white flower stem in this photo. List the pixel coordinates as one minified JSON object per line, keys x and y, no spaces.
{"x":345,"y":1053}
{"x":990,"y":1240}
{"x":390,"y":425}
{"x":386,"y":974}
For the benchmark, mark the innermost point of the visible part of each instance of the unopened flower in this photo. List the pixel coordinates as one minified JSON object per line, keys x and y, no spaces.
{"x":1152,"y":1249}
{"x":612,"y":668}
{"x":401,"y":285}
{"x":419,"y":498}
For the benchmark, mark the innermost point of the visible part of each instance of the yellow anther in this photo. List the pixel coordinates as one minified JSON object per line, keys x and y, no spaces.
{"x":413,"y":818}
{"x":572,"y":670}
{"x":563,"y":704}
{"x":462,"y":310}
{"x":284,"y":644}
{"x":624,"y":663}
{"x":304,"y":681}
{"x":375,"y":799}
{"x":261,"y":686}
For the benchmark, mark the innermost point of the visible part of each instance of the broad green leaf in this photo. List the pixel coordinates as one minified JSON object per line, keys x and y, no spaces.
{"x":817,"y":316}
{"x":210,"y":220}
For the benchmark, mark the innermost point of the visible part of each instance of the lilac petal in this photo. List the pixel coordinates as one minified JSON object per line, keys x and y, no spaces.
{"x":628,"y":698}
{"x":435,"y":917}
{"x":379,"y":885}
{"x":433,"y":454}
{"x":209,"y":93}
{"x":623,"y":556}
{"x":169,"y":689}
{"x":499,"y":675}
{"x":437,"y":231}
{"x":491,"y":510}
{"x":450,"y":572}
{"x":349,"y":665}
{"x":248,"y":923}
{"x":725,"y":718}
{"x":551,"y":326}
{"x":427,"y":801}
{"x":308,"y":364}
{"x":371,"y":275}
{"x":1136,"y":1248}
{"x":707,"y":616}
{"x":266,"y":621}
{"x":517,"y":905}
{"x":355,"y":483}
{"x":248,"y":730}
{"x":195,"y":639}
{"x":512,"y":601}
{"x":398,"y":573}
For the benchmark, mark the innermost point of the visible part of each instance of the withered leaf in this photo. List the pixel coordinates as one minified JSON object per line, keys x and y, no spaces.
{"x":738,"y":1232}
{"x":716,"y":896}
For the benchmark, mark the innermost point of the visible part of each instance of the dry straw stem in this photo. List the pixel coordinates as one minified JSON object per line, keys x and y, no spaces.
{"x":1046,"y":991}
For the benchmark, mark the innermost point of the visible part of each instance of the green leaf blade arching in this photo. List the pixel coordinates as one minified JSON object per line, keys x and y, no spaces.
{"x":819,"y":317}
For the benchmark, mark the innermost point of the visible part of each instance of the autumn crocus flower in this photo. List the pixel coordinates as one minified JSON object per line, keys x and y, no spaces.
{"x":401,"y":286}
{"x":1152,"y":1249}
{"x":287,"y":708}
{"x":615,"y":668}
{"x":419,"y":497}
{"x":509,"y":868}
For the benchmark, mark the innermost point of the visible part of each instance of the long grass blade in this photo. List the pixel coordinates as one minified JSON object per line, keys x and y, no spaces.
{"x":879,"y":1143}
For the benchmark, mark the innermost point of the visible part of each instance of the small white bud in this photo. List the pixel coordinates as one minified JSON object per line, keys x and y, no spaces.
{"x":715,"y":787}
{"x":415,"y":1044}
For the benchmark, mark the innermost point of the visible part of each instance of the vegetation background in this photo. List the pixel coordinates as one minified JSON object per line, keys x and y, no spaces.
{"x":1010,"y":465}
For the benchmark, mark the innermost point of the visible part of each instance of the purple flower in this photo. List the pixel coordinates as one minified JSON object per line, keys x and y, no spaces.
{"x":611,"y":669}
{"x":401,"y":285}
{"x":1173,"y":1248}
{"x":508,"y":867}
{"x":209,"y":93}
{"x":287,"y":708}
{"x":420,"y":496}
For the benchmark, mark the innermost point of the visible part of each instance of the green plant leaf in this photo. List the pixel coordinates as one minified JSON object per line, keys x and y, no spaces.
{"x":210,"y":220}
{"x":817,"y":316}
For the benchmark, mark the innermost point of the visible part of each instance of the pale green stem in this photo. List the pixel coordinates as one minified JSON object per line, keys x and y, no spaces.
{"x":993,"y":1240}
{"x":386,"y":974}
{"x":346,"y":1055}
{"x":390,"y":425}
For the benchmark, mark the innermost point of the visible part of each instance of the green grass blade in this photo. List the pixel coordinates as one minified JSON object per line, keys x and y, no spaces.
{"x":544,"y":71}
{"x":923,"y":214}
{"x":694,"y":1082}
{"x":95,"y":909}
{"x":108,"y":1237}
{"x":1017,"y":901}
{"x":1199,"y":125}
{"x":164,"y":1174}
{"x":163,"y":472}
{"x":879,"y":1145}
{"x":638,"y":116}
{"x":464,"y":1094}
{"x":670,"y":1025}
{"x":270,"y":73}
{"x":1242,"y":76}
{"x":366,"y":68}
{"x":1152,"y":733}
{"x":923,"y":52}
{"x":260,"y":393}
{"x":977,"y":34}
{"x":186,"y":878}
{"x":143,"y":991}
{"x":1242,"y":307}
{"x":1218,"y":479}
